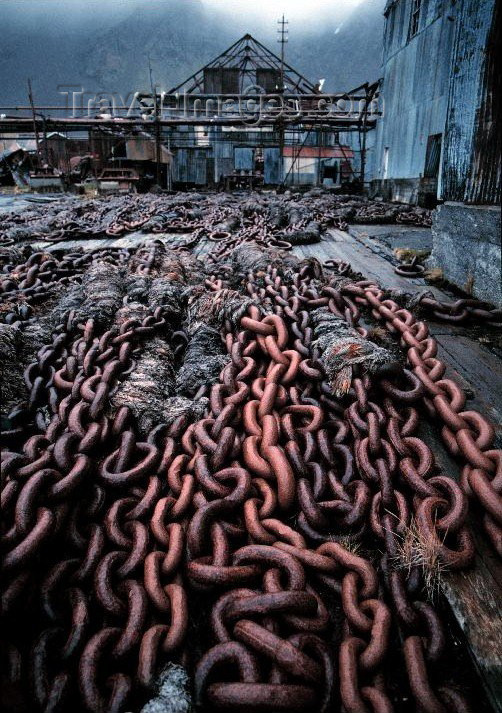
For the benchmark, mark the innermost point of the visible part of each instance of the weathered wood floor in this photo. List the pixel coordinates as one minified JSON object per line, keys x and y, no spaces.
{"x":475,"y":596}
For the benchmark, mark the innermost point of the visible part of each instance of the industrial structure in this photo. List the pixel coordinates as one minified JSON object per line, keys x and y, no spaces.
{"x":249,"y":81}
{"x":438,"y":140}
{"x":246,"y":118}
{"x":425,"y":134}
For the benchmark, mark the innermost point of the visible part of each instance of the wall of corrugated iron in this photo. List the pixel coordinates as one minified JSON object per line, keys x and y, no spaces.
{"x":415,"y":88}
{"x":471,"y":163}
{"x":272,"y":165}
{"x":243,"y":158}
{"x":190,"y":166}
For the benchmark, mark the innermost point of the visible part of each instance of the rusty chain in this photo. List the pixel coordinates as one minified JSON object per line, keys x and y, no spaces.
{"x":264,"y":513}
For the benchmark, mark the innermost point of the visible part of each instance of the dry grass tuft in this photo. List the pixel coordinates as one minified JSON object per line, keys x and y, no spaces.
{"x":407,"y":254}
{"x":469,"y":285}
{"x":417,"y":550}
{"x":348,"y":543}
{"x":435,"y":274}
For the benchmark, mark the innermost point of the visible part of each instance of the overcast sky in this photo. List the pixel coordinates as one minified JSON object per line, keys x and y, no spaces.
{"x":292,"y":9}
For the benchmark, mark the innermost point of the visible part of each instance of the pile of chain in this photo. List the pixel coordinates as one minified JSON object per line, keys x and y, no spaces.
{"x":257,"y":529}
{"x":292,"y":217}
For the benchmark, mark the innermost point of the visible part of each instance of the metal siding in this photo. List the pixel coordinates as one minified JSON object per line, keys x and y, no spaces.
{"x":471,"y":163}
{"x":267,"y":79}
{"x":272,"y":165}
{"x":443,"y":81}
{"x":190,"y":166}
{"x":243,"y":158}
{"x":221,"y":80}
{"x":415,"y":93}
{"x":179,"y":166}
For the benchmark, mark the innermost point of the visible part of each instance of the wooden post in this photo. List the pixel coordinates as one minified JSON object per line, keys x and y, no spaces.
{"x":35,"y":128}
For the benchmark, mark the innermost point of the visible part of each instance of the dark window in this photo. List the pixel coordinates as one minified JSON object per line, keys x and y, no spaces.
{"x":414,"y":18}
{"x":432,"y":156}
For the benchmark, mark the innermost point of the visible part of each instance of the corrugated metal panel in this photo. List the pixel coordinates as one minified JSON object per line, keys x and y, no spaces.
{"x":432,"y":156}
{"x":221,"y":80}
{"x":272,"y":165}
{"x":471,"y":165}
{"x":268,"y":79}
{"x":190,"y":166}
{"x":443,"y":81}
{"x":243,"y":158}
{"x":415,"y":90}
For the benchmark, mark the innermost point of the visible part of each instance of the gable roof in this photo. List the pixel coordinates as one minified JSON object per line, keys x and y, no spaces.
{"x":247,"y":55}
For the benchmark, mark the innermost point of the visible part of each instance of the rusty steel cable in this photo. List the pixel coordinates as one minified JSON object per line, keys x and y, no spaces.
{"x":260,"y":546}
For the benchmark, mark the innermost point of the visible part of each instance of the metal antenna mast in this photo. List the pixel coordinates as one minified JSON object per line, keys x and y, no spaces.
{"x":283,"y":38}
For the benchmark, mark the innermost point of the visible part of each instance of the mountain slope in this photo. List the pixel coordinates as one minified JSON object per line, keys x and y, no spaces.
{"x":109,"y":52}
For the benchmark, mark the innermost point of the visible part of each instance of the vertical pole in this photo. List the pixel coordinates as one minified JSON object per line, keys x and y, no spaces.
{"x":169,"y":166}
{"x":320,"y":135}
{"x":363,"y":145}
{"x":363,"y":159}
{"x":282,"y":39}
{"x":157,"y":144}
{"x":156,"y":109}
{"x":35,"y":128}
{"x":46,"y":147}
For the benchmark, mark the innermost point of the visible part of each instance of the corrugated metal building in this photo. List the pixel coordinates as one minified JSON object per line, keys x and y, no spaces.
{"x":418,"y":38}
{"x":246,"y":72}
{"x":434,"y":58}
{"x":439,"y":137}
{"x":308,"y":165}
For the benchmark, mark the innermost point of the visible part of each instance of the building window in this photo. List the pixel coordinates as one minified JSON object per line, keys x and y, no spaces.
{"x":414,"y":18}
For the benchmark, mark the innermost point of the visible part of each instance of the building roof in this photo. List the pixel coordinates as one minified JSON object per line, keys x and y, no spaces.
{"x":247,"y":55}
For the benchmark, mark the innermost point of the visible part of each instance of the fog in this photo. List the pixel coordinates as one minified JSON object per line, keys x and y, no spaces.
{"x":306,"y":11}
{"x":104,"y":45}
{"x":57,"y":15}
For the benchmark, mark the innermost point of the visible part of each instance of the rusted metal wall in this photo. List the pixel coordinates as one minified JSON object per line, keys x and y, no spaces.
{"x":471,"y":164}
{"x":415,"y":87}
{"x":440,"y":81}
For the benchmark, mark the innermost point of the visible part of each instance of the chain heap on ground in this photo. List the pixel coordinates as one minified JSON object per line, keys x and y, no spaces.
{"x":252,"y":524}
{"x":290,"y":217}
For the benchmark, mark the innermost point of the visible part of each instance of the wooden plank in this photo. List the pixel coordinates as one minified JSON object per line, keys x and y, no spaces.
{"x":479,"y":368}
{"x":474,"y":595}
